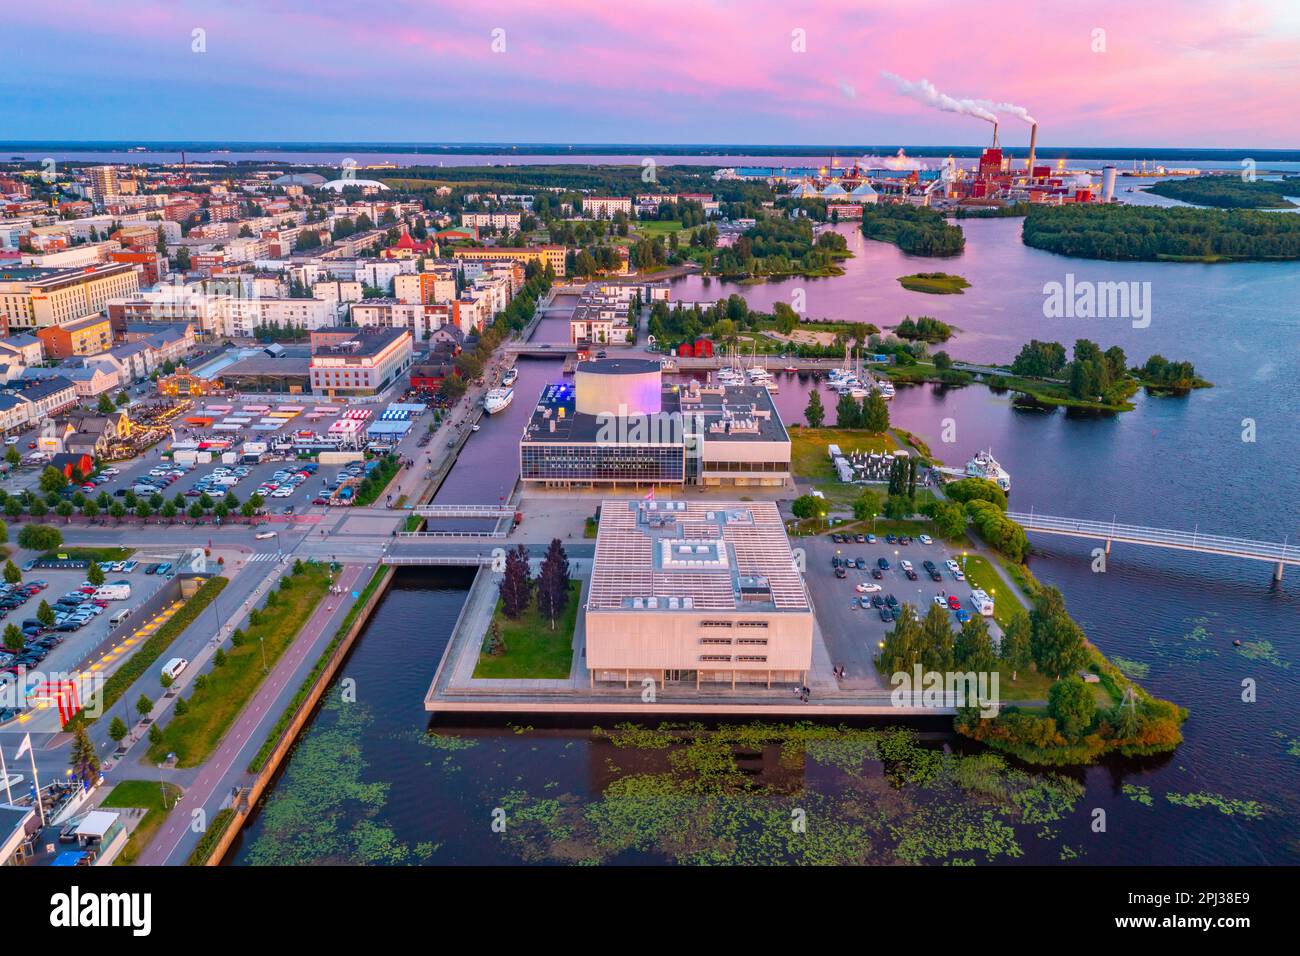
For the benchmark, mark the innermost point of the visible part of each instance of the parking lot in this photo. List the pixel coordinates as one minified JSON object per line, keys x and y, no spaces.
{"x":853,"y":633}
{"x":80,"y":636}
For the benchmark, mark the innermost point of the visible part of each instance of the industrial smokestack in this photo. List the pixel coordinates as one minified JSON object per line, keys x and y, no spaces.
{"x":1108,"y":184}
{"x":995,"y":134}
{"x":1033,"y":143}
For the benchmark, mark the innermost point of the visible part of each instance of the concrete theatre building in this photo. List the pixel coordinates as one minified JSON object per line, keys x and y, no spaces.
{"x":696,"y":591}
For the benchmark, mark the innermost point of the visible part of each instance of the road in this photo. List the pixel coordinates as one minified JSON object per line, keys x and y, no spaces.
{"x":227,"y":767}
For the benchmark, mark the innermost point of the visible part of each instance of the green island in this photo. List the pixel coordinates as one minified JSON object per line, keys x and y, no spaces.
{"x":773,"y":248}
{"x":1154,"y":233}
{"x":935,"y":283}
{"x":1230,"y":192}
{"x":914,"y":229}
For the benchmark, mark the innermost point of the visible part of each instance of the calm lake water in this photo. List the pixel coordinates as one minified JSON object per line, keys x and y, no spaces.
{"x":370,"y":782}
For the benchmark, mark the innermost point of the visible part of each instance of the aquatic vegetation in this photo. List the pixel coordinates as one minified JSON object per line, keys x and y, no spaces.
{"x":1228,"y":806}
{"x":1134,"y":670}
{"x":1138,"y":794}
{"x":1262,"y":651}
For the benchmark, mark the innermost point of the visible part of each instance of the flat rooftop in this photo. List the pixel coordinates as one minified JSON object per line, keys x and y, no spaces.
{"x":685,"y":555}
{"x":741,"y":413}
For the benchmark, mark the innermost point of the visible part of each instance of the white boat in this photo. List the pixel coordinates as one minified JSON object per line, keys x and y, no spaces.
{"x":859,"y":391}
{"x":498,"y":399}
{"x":886,"y":389}
{"x":984,"y":465}
{"x":509,"y":377}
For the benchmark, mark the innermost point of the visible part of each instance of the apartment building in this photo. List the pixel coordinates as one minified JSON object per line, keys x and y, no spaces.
{"x":418,"y":319}
{"x":37,"y":298}
{"x":552,"y":256}
{"x":605,"y":207}
{"x":85,"y":336}
{"x":353,"y":361}
{"x":508,"y":221}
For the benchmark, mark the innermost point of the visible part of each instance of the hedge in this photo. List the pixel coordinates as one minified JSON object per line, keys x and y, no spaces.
{"x":210,"y":837}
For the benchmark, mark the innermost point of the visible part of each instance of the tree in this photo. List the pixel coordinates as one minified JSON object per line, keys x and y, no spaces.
{"x":903,"y":647}
{"x":181,"y":708}
{"x":815,"y":413}
{"x":1058,"y":644}
{"x":867,"y":505}
{"x":516,"y":583}
{"x":89,"y":509}
{"x":84,"y":761}
{"x":13,"y":456}
{"x":496,"y":644}
{"x":1071,"y":704}
{"x":12,"y":574}
{"x":95,"y":574}
{"x":848,"y":412}
{"x":553,"y":583}
{"x":196,"y":511}
{"x":936,"y":640}
{"x":973,"y":648}
{"x":143,"y":705}
{"x":39,"y":537}
{"x":53,"y":480}
{"x":117,"y":730}
{"x":14,"y":639}
{"x":123,"y":398}
{"x":105,"y":406}
{"x":117,"y":510}
{"x":143,"y":509}
{"x":1016,"y":643}
{"x":948,"y":516}
{"x":45,"y":614}
{"x":875,"y":414}
{"x":155,"y":734}
{"x":805,"y":507}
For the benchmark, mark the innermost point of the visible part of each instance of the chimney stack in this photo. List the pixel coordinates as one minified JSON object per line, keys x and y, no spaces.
{"x":995,"y":134}
{"x":1033,"y":143}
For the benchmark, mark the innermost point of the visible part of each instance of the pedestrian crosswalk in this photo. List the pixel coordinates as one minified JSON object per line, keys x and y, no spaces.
{"x":264,"y":556}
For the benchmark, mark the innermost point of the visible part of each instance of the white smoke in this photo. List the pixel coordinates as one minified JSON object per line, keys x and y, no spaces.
{"x":924,"y":91}
{"x":1019,"y":112}
{"x":899,"y":161}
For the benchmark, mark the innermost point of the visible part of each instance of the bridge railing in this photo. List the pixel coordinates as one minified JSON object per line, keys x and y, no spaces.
{"x":1194,"y":540}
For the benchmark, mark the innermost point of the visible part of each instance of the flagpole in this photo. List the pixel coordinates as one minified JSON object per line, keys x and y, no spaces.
{"x":40,"y":804}
{"x":4,"y":771}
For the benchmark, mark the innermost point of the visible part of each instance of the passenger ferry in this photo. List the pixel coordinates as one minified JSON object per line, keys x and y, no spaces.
{"x":984,"y":465}
{"x":509,"y":377}
{"x":497,"y":400}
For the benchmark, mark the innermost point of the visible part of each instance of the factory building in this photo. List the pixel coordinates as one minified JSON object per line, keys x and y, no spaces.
{"x":693,"y":591}
{"x":619,"y":424}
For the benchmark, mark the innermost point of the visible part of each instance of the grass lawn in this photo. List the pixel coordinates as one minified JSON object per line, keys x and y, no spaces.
{"x":980,"y":574}
{"x":213,"y":708}
{"x":146,"y":795}
{"x":658,"y":227}
{"x":935,"y":283}
{"x":533,"y":650}
{"x":90,"y":554}
{"x":808,"y":456}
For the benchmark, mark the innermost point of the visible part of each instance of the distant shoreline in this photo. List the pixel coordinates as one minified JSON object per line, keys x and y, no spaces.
{"x":845,"y":151}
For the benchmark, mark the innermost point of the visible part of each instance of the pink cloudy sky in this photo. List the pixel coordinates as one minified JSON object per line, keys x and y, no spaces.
{"x":1174,"y":72}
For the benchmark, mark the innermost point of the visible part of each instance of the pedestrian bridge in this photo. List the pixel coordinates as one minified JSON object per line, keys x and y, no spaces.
{"x":464,"y":511}
{"x":1281,"y":554}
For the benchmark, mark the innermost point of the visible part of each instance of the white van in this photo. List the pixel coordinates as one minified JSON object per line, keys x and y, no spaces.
{"x":113,"y":592}
{"x":263,"y":535}
{"x":174,"y":667}
{"x":119,"y":616}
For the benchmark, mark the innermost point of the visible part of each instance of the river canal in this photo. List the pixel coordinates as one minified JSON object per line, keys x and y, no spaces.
{"x":371,"y":782}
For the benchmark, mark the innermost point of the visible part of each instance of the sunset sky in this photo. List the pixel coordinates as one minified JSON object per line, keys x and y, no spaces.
{"x":1173,"y":72}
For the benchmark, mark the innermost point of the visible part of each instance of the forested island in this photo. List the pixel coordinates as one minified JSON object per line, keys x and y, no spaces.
{"x":934,"y":283}
{"x":1151,"y":233}
{"x":1231,"y":192}
{"x":914,"y":229}
{"x":782,"y":247}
